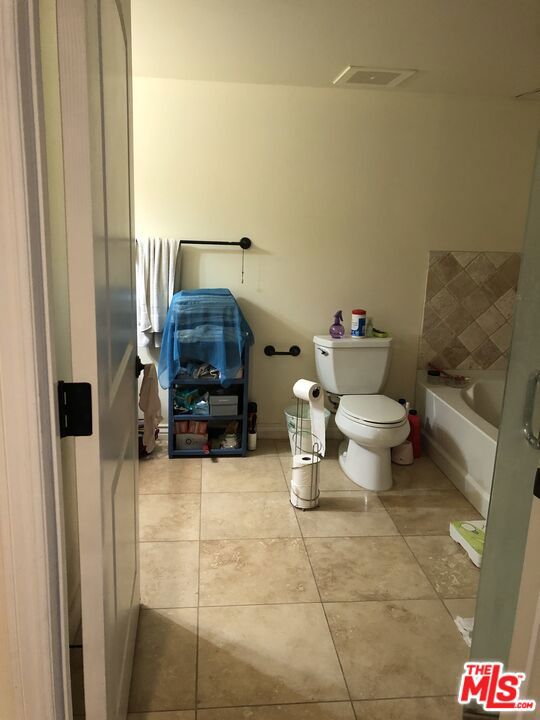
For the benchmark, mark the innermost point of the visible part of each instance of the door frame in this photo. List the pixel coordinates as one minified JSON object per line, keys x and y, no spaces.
{"x":525,"y":649}
{"x":34,"y":661}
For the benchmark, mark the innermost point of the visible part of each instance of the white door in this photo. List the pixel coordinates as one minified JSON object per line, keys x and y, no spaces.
{"x":507,"y":621}
{"x":94,"y":57}
{"x":525,"y":650}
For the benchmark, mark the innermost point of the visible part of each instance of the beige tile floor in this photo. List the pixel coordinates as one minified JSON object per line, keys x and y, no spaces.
{"x":255,"y":610}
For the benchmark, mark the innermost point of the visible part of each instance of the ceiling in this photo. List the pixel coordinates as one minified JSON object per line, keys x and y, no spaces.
{"x":487,"y":47}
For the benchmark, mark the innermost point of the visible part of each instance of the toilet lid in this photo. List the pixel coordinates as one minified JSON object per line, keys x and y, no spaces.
{"x":373,"y":409}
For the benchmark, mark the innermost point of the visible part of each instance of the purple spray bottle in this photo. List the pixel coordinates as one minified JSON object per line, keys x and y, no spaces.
{"x":337,"y":330}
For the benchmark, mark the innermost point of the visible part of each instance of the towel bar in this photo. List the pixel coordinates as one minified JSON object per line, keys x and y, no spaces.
{"x":270,"y":350}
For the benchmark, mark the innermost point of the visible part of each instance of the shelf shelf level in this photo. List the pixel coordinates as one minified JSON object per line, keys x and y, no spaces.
{"x":202,"y":418}
{"x":207,"y":381}
{"x":242,"y":416}
{"x":217,"y":452}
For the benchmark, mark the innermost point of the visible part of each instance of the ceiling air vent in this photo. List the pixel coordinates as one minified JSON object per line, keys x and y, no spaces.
{"x":361,"y":77}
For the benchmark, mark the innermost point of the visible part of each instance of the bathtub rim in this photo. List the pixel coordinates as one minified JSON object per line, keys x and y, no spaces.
{"x":453,"y":399}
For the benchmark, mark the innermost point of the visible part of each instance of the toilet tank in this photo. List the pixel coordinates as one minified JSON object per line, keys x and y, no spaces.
{"x":352,"y":366}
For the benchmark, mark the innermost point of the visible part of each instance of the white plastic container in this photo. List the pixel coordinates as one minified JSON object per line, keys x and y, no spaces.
{"x":223,"y":405}
{"x":229,"y":441}
{"x":299,"y":428}
{"x":358,"y":323}
{"x":475,"y":531}
{"x":190,"y":441}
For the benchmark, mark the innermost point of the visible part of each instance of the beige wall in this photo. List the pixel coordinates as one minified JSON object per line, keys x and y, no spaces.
{"x":343,"y":194}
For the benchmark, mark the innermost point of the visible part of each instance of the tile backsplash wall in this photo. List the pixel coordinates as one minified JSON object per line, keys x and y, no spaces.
{"x":468,"y":310}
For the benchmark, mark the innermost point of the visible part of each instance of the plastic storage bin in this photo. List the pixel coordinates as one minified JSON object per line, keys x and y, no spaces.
{"x":190,"y":441}
{"x":299,"y":428}
{"x":223,"y":405}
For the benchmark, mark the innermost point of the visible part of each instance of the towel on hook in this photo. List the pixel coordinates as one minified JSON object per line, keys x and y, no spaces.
{"x":150,"y":404}
{"x":156,"y":264}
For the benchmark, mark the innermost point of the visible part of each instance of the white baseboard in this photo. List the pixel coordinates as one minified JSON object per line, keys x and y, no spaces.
{"x":272,"y":431}
{"x":267,"y":431}
{"x":278,"y":431}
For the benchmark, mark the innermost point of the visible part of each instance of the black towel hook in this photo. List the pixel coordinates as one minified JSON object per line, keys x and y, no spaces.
{"x":270,"y":350}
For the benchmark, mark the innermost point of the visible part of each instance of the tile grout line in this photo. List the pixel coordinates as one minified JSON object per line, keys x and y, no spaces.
{"x":302,"y":602}
{"x":320,"y":598}
{"x":283,"y":475}
{"x":404,"y":538}
{"x":295,"y":704}
{"x":196,"y":699}
{"x":223,"y":492}
{"x":439,"y":597}
{"x":424,"y":573}
{"x":317,"y":702}
{"x":324,"y":612}
{"x":199,"y":495}
{"x":279,"y":537}
{"x":450,"y":613}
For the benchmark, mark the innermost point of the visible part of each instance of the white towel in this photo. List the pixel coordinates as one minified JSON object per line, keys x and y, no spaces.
{"x":150,"y":404}
{"x":156,"y":265}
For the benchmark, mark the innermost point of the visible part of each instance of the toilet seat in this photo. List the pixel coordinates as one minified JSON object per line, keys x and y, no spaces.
{"x":376,"y":411}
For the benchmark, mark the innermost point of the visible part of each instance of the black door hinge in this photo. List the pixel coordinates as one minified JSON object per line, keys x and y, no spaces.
{"x":75,"y":408}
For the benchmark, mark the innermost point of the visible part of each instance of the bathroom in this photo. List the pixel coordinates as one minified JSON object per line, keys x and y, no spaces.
{"x":411,"y":201}
{"x":351,"y":198}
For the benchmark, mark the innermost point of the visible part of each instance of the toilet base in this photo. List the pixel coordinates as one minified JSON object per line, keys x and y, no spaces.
{"x":368,"y":467}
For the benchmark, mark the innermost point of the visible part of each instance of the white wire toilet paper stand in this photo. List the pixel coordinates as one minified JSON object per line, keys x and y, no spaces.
{"x":314,"y":455}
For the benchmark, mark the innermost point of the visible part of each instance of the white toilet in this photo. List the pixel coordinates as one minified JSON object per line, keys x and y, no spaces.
{"x":356,"y":370}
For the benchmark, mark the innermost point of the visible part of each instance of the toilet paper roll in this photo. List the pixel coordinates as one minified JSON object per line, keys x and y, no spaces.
{"x":313,"y":393}
{"x":304,"y":459}
{"x":306,"y":477}
{"x":301,"y":504}
{"x":307,"y":390}
{"x":305,"y":482}
{"x":403,"y":454}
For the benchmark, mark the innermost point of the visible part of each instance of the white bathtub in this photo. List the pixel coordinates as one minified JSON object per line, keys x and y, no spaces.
{"x":460,"y":429}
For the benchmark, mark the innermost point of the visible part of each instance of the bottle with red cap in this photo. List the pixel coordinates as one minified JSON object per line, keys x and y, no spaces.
{"x":414,"y":435}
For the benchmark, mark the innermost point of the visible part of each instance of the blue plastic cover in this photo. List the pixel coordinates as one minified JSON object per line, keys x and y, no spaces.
{"x":203,"y":326}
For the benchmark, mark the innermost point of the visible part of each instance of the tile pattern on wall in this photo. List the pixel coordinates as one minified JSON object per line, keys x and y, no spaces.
{"x":468,"y":310}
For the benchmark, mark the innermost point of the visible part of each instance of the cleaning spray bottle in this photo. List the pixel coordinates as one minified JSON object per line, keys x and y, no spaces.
{"x":414,"y":436}
{"x":337,"y":330}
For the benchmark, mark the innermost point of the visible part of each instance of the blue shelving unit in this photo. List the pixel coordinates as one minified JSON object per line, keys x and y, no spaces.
{"x":241,"y":384}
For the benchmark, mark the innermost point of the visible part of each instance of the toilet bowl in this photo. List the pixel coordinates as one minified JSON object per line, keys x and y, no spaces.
{"x":373,"y":424}
{"x":355,"y":369}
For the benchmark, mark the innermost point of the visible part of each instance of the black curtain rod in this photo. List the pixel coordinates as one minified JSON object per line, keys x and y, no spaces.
{"x":244,"y":243}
